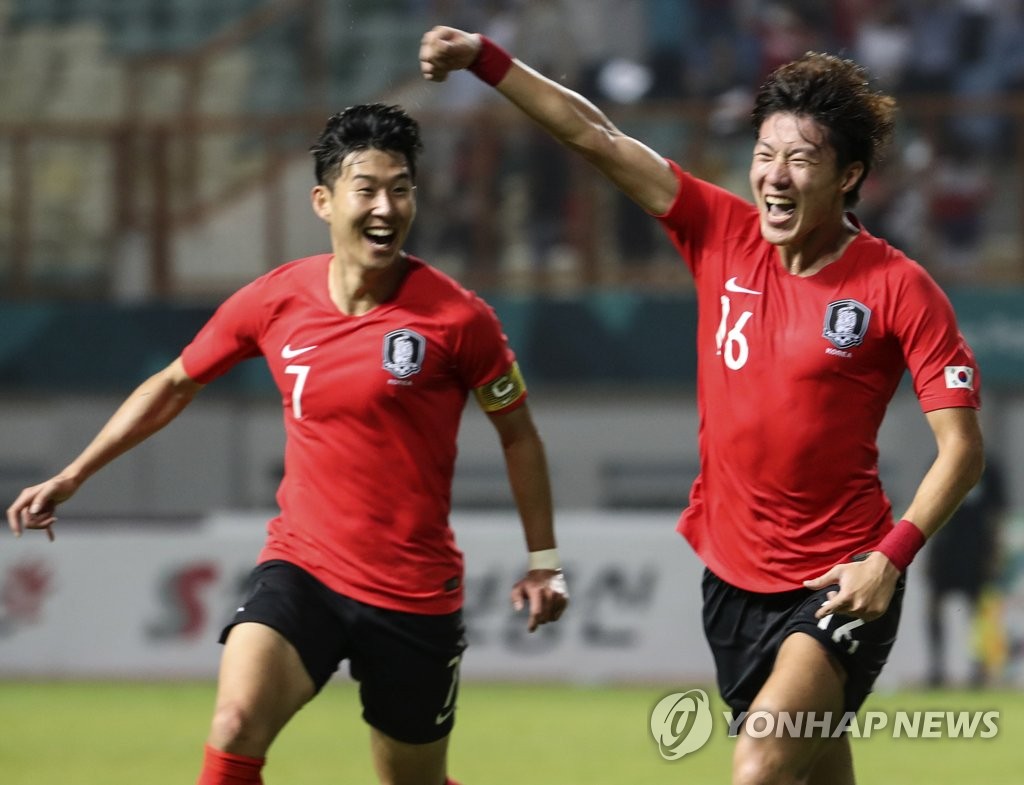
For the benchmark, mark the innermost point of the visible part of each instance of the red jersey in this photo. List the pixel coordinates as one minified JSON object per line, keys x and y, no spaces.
{"x":794,"y":377}
{"x":372,"y":406}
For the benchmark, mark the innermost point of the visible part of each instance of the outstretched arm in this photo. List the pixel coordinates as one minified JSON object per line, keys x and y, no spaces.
{"x":543,"y":588}
{"x":865,"y":588}
{"x":641,"y":173}
{"x":155,"y":402}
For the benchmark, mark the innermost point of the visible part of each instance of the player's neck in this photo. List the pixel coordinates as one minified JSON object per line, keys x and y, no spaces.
{"x":356,"y":289}
{"x":817,"y":250}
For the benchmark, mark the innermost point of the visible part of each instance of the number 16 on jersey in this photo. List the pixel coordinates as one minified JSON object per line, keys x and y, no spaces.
{"x":731,"y":343}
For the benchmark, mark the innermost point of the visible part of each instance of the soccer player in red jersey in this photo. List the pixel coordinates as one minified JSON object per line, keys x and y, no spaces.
{"x":806,"y":326}
{"x":374,"y":353}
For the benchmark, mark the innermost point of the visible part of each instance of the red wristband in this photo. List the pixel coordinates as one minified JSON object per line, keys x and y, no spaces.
{"x":492,"y":62}
{"x":901,"y":544}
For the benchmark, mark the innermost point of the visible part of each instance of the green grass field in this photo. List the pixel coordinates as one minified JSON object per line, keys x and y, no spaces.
{"x":93,"y":733}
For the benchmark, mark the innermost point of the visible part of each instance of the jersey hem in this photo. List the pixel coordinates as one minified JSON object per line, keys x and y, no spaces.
{"x":430,"y":607}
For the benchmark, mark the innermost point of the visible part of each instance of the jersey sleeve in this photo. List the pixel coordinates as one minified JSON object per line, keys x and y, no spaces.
{"x":941,"y":364}
{"x":702,"y":215}
{"x":230,"y":336}
{"x":486,"y":363}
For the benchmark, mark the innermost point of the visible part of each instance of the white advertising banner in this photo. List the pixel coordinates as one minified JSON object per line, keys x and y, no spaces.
{"x":149,"y":601}
{"x":634,"y":610}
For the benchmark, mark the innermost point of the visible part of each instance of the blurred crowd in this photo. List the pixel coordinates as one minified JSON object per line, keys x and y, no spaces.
{"x":952,"y":64}
{"x":510,"y":209}
{"x":683,"y":48}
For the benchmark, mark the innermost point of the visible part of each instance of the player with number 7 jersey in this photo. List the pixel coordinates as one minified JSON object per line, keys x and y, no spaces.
{"x":375,"y":354}
{"x":396,"y":378}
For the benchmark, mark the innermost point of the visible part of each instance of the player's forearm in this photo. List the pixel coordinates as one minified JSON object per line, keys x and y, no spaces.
{"x":641,"y":173}
{"x":638,"y":171}
{"x":149,"y":408}
{"x":531,"y":488}
{"x":565,"y":114}
{"x":956,"y":469}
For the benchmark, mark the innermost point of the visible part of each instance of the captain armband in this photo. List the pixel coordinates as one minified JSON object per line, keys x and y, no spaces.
{"x":501,"y":392}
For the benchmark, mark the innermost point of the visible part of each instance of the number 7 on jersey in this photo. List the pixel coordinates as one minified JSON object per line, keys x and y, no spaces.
{"x":301,"y":374}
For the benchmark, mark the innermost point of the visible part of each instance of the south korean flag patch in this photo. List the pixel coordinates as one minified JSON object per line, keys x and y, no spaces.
{"x":959,"y":377}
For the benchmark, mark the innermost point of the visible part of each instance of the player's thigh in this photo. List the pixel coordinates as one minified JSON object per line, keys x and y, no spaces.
{"x":803,"y":691}
{"x":401,"y":763}
{"x":262,"y":683}
{"x":805,"y":678}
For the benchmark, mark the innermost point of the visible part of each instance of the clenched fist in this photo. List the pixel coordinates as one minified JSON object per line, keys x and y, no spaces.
{"x":445,"y":49}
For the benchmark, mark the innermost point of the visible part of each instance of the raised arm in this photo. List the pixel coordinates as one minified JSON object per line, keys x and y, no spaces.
{"x":641,"y":173}
{"x":152,"y":405}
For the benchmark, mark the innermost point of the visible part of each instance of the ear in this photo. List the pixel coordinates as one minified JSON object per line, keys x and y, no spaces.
{"x":320,"y":197}
{"x":851,"y":176}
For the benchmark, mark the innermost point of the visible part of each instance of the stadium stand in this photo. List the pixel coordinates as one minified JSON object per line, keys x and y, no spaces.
{"x":178,"y":104}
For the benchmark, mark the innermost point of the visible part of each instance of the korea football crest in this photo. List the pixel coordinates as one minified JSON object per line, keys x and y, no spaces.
{"x":846,"y":323}
{"x":403,"y":352}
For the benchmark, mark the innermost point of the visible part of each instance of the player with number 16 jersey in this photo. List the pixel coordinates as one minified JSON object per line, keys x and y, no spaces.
{"x":782,"y":360}
{"x":806,"y":324}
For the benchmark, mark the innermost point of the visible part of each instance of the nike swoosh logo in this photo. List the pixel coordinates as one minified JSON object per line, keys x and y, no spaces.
{"x":288,"y":352}
{"x":442,"y":717}
{"x":732,"y":286}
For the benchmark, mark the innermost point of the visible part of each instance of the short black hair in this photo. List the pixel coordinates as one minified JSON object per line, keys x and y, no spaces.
{"x":362,"y":127}
{"x":836,"y":94}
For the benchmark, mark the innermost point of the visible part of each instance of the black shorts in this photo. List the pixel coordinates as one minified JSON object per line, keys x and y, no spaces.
{"x":407,"y":664}
{"x":746,"y":629}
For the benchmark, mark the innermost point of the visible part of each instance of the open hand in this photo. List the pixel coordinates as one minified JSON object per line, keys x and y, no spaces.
{"x":36,"y":506}
{"x":547,"y":595}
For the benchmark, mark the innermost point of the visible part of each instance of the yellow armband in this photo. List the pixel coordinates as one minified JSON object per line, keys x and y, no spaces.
{"x":501,"y":392}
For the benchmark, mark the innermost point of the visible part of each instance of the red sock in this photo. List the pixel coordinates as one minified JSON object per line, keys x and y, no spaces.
{"x":225,"y":768}
{"x":450,"y":781}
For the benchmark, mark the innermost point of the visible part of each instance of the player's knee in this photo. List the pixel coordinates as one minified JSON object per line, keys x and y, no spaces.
{"x":758,"y":764}
{"x":748,"y":771}
{"x":235,"y":728}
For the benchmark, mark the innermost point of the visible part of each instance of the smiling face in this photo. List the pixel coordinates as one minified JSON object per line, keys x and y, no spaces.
{"x":370,"y":208}
{"x":797,"y":185}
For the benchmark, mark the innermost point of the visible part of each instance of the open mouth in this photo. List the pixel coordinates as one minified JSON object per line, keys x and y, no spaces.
{"x":380,"y":236}
{"x":779,"y":208}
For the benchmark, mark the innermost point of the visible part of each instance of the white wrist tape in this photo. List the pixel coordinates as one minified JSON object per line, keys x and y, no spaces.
{"x":545,"y":560}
